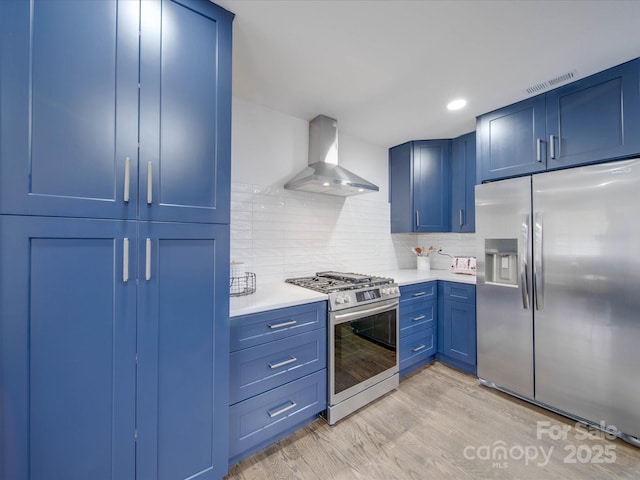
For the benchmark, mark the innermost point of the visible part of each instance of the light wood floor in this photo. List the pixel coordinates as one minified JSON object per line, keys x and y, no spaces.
{"x":441,"y":424}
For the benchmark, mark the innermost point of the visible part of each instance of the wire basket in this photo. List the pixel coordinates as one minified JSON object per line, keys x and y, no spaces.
{"x":242,"y":284}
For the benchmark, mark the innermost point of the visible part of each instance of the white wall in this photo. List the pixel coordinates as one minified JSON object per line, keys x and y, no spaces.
{"x":280,"y":234}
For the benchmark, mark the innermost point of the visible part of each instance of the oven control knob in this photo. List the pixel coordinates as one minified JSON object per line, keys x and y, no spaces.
{"x":386,"y":291}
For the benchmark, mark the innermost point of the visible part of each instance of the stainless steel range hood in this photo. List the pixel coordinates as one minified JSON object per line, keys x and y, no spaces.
{"x":324,"y":175}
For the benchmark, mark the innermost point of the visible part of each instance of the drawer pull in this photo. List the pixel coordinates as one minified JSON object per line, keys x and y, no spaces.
{"x":419,"y":317}
{"x":419,"y":294}
{"x":280,"y":411}
{"x":419,"y":347}
{"x":283,"y":324}
{"x":283,"y":363}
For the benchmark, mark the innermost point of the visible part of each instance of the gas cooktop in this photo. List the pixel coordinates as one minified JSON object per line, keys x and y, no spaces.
{"x":346,"y":290}
{"x":328,"y":282}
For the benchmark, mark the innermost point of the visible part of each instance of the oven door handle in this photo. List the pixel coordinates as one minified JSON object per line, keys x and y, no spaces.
{"x":342,"y":317}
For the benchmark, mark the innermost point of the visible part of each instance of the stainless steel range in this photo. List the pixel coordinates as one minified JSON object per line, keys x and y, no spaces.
{"x":363,"y":331}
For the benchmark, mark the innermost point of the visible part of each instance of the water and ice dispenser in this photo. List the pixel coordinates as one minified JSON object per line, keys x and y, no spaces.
{"x":501,"y":260}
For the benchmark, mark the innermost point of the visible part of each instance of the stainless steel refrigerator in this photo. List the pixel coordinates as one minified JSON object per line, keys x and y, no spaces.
{"x":558,"y":291}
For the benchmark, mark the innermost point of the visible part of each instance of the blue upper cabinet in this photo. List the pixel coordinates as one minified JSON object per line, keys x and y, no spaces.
{"x":185,"y":111}
{"x":463,"y":181}
{"x":68,"y":99}
{"x":511,"y":140}
{"x":596,"y":118}
{"x":419,"y":178}
{"x":590,"y":120}
{"x":82,"y":83}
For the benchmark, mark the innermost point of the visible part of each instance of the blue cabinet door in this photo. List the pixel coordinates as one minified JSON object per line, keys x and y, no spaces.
{"x":431,"y":191}
{"x":595,"y":118}
{"x":512,"y":140}
{"x":185,"y":111}
{"x":463,"y":181}
{"x":401,"y":188}
{"x":68,"y":100}
{"x":183,"y":351}
{"x":67,"y":349}
{"x":457,"y":325}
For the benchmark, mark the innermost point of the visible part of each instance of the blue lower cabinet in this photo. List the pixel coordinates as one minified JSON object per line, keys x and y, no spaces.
{"x":278,"y":380}
{"x":417,"y":348}
{"x":418,"y":325}
{"x":457,"y":326}
{"x":67,"y":349}
{"x":261,"y":420}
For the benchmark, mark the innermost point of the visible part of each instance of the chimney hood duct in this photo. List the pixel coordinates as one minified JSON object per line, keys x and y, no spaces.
{"x":324,"y":175}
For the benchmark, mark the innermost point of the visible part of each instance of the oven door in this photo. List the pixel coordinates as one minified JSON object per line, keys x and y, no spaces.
{"x":363,"y":348}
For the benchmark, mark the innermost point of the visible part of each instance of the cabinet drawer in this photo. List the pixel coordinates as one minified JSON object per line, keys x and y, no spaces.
{"x":259,"y":328}
{"x":459,"y":292}
{"x":418,"y":291}
{"x":258,"y":369}
{"x":417,"y":347}
{"x":265,"y":416}
{"x":414,"y":314}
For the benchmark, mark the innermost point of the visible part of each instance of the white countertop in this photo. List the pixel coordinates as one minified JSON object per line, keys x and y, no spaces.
{"x":281,"y":294}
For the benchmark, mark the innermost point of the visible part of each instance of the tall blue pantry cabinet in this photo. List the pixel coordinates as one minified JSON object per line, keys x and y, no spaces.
{"x":114,"y":239}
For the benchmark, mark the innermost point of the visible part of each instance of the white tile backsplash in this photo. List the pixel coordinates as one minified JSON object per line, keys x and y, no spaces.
{"x":280,"y":234}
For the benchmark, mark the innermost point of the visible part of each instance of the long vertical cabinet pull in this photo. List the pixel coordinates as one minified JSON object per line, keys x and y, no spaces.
{"x":523,"y":251}
{"x":125,"y":260}
{"x":537,"y":265}
{"x":147,"y":263}
{"x":539,"y":150}
{"x":149,"y":183}
{"x":460,"y":214}
{"x":417,"y":218}
{"x":552,"y":146}
{"x":127,"y":179}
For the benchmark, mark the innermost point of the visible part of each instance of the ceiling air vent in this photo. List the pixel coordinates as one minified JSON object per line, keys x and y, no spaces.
{"x":539,"y":87}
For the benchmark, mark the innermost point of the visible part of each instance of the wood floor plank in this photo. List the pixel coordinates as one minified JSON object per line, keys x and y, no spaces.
{"x":439,"y":424}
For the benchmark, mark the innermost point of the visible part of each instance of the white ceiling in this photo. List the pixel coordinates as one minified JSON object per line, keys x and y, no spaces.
{"x":385,"y":69}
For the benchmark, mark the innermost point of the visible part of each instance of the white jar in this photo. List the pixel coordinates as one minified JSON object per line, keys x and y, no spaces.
{"x":423,"y":263}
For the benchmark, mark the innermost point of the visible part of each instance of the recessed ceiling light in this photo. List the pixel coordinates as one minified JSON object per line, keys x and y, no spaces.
{"x":325,"y":184}
{"x":457,"y":104}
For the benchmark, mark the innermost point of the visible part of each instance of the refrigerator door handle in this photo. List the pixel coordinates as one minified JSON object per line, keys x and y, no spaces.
{"x":538,"y":279}
{"x":524,"y":267}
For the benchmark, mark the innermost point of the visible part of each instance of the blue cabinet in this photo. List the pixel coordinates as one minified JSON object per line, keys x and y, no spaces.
{"x":418,"y":325}
{"x":596,"y":118}
{"x":457,"y":325}
{"x":278,"y":378}
{"x":463,"y":181}
{"x":81,"y":299}
{"x":70,"y":135}
{"x":183,"y":304}
{"x":511,"y":140}
{"x":114,"y":211}
{"x":590,"y":120}
{"x":67,"y":351}
{"x":419,"y":180}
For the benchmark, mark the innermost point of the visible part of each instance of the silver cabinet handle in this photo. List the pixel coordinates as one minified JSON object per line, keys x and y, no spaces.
{"x":283,"y":324}
{"x":149,"y":183}
{"x":419,"y":347}
{"x":419,"y":317}
{"x":127,"y":179}
{"x":538,"y":274}
{"x":125,"y":260}
{"x":147,"y":270}
{"x":417,"y":218}
{"x":419,"y":294}
{"x":539,"y":150}
{"x":552,"y":146}
{"x":274,"y":413}
{"x":460,"y":212}
{"x":524,"y":252}
{"x":283,"y":363}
